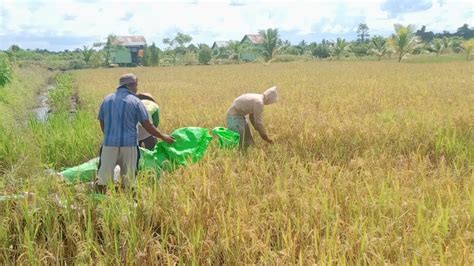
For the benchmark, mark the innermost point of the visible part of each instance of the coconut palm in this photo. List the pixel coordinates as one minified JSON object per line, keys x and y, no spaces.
{"x":235,"y":49}
{"x":468,"y":47}
{"x":404,"y":40}
{"x":437,"y":46}
{"x":379,"y":47}
{"x":271,"y":44}
{"x":340,"y":48}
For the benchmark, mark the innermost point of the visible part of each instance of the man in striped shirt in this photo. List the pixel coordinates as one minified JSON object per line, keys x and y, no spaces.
{"x":119,"y":115}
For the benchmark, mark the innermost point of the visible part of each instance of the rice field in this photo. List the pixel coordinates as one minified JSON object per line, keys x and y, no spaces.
{"x":372,"y":164}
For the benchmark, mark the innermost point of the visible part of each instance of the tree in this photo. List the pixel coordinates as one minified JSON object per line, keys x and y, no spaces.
{"x":97,"y":59}
{"x":108,"y":45}
{"x":437,"y":46}
{"x":426,"y":36}
{"x":320,"y":50}
{"x":403,"y":41}
{"x":205,"y":54}
{"x":465,"y":32}
{"x":468,"y":47}
{"x":379,"y":47}
{"x":6,"y":72}
{"x":360,"y":49}
{"x":154,"y":52}
{"x":340,"y":48}
{"x":455,"y":44}
{"x":235,"y":50}
{"x":302,"y":47}
{"x":271,"y":43}
{"x":177,"y":45}
{"x":87,"y":53}
{"x":192,"y":48}
{"x":363,"y":32}
{"x":14,"y":48}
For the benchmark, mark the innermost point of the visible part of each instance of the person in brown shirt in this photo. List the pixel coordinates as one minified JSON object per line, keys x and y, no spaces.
{"x":250,"y":104}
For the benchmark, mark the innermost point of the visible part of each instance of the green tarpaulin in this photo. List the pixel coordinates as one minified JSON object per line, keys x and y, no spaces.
{"x":227,"y":138}
{"x":190,"y":146}
{"x":82,"y":173}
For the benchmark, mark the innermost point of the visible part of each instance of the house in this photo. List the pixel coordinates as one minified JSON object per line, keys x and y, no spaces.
{"x":220,"y":45}
{"x":253,"y":41}
{"x":128,"y":50}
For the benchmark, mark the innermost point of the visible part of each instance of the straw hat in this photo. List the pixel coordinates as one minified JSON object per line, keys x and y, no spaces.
{"x":146,"y":96}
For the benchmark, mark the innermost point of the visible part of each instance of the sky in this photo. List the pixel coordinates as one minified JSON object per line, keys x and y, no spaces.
{"x":69,"y":24}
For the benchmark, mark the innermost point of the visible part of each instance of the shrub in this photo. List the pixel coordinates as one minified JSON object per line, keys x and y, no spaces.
{"x":5,"y":70}
{"x":205,"y":55}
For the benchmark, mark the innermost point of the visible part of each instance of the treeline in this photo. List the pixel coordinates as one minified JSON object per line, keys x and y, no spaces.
{"x":405,"y":40}
{"x":180,"y":50}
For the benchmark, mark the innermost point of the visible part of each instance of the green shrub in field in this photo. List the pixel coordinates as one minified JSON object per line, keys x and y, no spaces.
{"x":189,"y":59}
{"x":5,"y":70}
{"x":205,"y":55}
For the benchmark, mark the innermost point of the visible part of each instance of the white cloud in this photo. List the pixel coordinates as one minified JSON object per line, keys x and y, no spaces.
{"x":207,"y":21}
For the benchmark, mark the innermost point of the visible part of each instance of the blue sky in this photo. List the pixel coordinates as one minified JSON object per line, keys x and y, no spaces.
{"x":69,"y":24}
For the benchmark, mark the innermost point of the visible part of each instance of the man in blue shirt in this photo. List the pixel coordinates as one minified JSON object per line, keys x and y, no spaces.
{"x":119,"y":116}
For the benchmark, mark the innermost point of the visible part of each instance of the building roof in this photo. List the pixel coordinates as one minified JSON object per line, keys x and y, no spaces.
{"x":220,"y":44}
{"x":254,"y":38}
{"x":130,"y":40}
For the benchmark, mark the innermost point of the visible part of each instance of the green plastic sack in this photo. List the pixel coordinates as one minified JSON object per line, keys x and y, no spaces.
{"x":85,"y":172}
{"x":190,"y":145}
{"x":227,"y":138}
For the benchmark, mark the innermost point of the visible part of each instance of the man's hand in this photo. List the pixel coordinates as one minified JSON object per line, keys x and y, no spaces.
{"x":154,"y":132}
{"x":169,"y":139}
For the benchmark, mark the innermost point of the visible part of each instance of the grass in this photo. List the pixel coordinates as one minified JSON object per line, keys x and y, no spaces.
{"x":373,"y":164}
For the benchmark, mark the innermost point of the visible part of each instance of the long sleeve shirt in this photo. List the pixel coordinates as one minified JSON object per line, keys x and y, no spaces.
{"x":250,"y":104}
{"x":154,"y":114}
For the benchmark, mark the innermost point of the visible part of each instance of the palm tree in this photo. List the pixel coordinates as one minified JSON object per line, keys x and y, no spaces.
{"x":379,"y":47}
{"x":468,"y":47}
{"x":340,"y":48}
{"x":404,"y":40}
{"x":271,"y":44}
{"x":235,"y":50}
{"x":437,"y":46}
{"x":87,"y":53}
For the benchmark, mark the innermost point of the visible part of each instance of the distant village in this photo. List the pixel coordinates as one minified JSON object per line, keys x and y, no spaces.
{"x":130,"y":50}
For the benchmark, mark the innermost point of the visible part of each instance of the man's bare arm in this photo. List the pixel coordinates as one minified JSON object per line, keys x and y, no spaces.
{"x":154,"y":132}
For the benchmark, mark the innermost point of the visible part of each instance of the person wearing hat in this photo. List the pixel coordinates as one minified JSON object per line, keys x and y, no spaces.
{"x":119,"y":114}
{"x":250,"y":104}
{"x":145,"y":139}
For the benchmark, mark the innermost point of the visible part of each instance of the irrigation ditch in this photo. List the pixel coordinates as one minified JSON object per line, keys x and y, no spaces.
{"x":58,"y":95}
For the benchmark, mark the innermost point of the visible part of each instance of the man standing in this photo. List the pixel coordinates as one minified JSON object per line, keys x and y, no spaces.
{"x":250,"y":104}
{"x":119,"y":115}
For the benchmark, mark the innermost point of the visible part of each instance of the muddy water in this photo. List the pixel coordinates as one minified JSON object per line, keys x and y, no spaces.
{"x":43,"y":108}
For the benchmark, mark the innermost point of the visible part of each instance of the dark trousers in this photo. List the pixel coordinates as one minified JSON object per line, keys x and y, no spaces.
{"x":149,"y":143}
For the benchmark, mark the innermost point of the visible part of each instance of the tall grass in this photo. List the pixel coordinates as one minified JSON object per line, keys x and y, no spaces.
{"x":372,"y":164}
